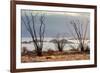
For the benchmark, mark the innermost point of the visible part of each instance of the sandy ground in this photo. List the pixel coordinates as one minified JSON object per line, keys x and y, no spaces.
{"x":57,"y":57}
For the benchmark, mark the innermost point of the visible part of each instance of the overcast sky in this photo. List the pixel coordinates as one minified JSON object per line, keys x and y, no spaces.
{"x":56,"y":22}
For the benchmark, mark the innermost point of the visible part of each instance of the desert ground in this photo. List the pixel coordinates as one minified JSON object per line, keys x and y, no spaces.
{"x":55,"y":56}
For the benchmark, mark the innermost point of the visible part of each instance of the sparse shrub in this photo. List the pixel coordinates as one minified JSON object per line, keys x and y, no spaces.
{"x":24,"y":50}
{"x":74,"y":50}
{"x":87,"y":50}
{"x":59,"y":43}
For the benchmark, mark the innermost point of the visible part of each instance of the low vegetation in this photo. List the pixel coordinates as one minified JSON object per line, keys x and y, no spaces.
{"x":51,"y":55}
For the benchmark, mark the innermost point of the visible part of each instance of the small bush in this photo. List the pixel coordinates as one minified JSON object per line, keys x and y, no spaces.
{"x":24,"y":50}
{"x":74,"y":50}
{"x":87,"y":50}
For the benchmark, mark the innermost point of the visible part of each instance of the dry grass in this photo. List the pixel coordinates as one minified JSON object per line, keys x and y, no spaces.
{"x":56,"y":56}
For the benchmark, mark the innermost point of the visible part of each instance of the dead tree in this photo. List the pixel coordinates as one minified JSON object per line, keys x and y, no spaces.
{"x":37,"y":34}
{"x":59,"y":43}
{"x":79,"y":34}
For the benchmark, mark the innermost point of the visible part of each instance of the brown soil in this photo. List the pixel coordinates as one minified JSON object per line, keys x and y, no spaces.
{"x":56,"y":56}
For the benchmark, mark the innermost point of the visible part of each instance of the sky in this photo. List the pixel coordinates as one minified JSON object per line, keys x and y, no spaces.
{"x":56,"y":22}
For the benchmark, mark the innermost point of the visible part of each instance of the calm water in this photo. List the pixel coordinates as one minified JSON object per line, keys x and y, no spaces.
{"x":49,"y":45}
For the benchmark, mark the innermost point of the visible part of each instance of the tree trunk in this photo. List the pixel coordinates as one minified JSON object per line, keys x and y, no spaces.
{"x":82,"y":49}
{"x":60,"y":49}
{"x":39,"y":53}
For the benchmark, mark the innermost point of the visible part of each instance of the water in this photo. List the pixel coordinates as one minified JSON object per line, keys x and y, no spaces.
{"x":49,"y":45}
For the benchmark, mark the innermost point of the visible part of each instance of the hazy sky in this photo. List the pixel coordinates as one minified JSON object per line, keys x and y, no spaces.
{"x":56,"y":22}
